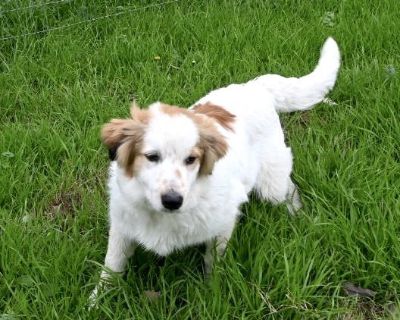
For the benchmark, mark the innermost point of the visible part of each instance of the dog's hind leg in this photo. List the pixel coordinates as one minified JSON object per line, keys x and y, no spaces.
{"x":274,"y":183}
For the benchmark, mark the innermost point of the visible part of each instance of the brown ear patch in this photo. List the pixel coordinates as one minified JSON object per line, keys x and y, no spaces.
{"x":214,"y":148}
{"x":212,"y":144}
{"x":139,"y":115}
{"x":222,"y":116}
{"x":124,"y":137}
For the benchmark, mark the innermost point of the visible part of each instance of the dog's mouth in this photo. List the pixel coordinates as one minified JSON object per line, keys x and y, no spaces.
{"x":169,"y":211}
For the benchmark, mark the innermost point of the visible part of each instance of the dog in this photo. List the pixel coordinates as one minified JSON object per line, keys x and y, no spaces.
{"x":178,"y":176}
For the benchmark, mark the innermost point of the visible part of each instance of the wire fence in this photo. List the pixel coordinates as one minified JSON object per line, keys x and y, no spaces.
{"x":34,"y":6}
{"x":87,"y":21}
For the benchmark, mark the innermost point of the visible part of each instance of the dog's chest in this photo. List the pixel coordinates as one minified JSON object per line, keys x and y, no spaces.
{"x":164,"y":233}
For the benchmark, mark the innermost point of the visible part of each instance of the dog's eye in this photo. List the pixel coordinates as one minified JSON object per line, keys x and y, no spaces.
{"x":152,"y":157}
{"x":190,"y":160}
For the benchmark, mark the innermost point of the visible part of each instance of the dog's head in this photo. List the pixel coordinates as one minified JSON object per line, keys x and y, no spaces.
{"x":166,"y":149}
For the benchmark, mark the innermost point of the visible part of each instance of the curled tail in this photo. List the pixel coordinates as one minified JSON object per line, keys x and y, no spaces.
{"x":294,"y":94}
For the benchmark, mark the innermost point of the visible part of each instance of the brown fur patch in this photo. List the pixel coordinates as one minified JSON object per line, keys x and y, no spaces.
{"x":197,"y":152}
{"x":138,"y":163}
{"x":174,"y":110}
{"x":213,"y":146}
{"x":222,"y":116}
{"x":140,"y":115}
{"x":126,"y":136}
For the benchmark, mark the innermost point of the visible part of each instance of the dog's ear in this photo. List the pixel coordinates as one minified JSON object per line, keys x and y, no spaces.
{"x":214,"y":147}
{"x":219,"y":114}
{"x":123,"y":137}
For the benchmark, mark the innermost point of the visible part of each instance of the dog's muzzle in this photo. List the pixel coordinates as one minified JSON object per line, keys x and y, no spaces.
{"x":171,"y":200}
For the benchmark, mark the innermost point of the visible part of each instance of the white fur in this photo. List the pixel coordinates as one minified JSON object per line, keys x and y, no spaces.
{"x":257,"y":159}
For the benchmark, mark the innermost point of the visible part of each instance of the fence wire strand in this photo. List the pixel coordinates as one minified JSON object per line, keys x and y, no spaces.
{"x":159,"y":4}
{"x":45,"y":4}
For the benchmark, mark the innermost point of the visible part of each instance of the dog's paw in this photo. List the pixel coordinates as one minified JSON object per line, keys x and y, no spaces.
{"x":104,"y":282}
{"x":293,"y":202}
{"x":92,"y":302}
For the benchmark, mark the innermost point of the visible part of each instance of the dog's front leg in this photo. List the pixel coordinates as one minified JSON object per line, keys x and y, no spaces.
{"x":216,"y":247}
{"x":119,"y":249}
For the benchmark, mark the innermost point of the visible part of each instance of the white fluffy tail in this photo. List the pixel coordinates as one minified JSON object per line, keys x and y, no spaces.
{"x":294,"y":94}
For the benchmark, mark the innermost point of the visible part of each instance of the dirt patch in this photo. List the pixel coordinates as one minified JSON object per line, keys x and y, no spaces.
{"x":64,"y":204}
{"x":304,"y":119}
{"x":365,"y":307}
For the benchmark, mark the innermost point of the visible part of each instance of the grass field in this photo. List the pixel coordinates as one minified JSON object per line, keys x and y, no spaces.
{"x":58,"y":87}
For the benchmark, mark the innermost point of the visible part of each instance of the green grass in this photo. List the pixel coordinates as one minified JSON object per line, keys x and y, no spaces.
{"x":57,"y":88}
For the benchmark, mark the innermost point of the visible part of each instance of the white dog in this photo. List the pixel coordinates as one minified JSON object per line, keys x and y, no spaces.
{"x":179,"y":176}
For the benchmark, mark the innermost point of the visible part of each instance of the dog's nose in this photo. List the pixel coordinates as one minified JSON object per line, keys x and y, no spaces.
{"x":171,"y":200}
